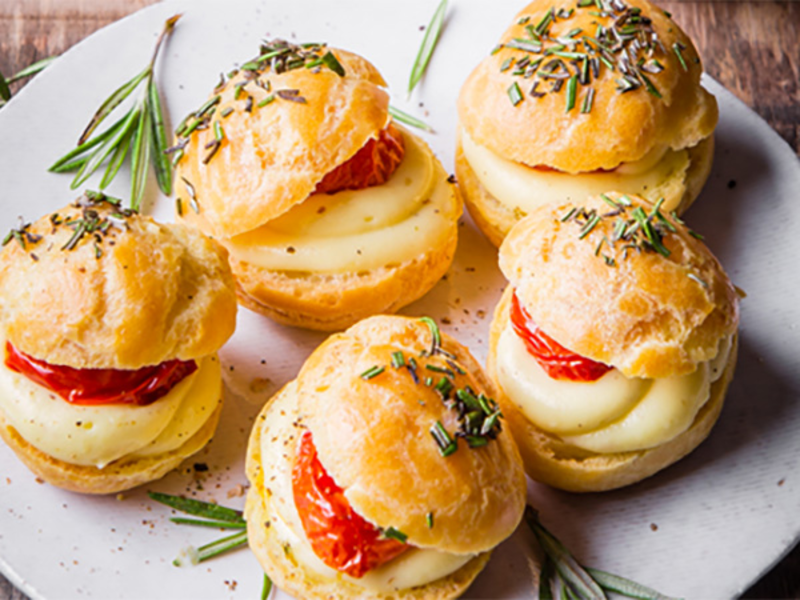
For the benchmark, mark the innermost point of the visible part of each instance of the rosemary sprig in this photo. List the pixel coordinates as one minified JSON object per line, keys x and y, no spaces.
{"x":141,"y":132}
{"x":427,"y":47}
{"x":199,"y":508}
{"x":402,"y":117}
{"x":562,"y":576}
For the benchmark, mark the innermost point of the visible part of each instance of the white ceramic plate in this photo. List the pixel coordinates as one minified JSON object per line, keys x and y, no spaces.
{"x":706,"y":528}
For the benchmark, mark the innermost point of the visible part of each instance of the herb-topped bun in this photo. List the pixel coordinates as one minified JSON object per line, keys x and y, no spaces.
{"x":576,"y":100}
{"x":614,"y":343}
{"x":384,"y":470}
{"x":109,"y":325}
{"x":331,"y":212}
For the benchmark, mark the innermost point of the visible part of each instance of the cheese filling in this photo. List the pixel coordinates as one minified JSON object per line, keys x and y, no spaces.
{"x":659,"y":174}
{"x":359,"y":230}
{"x":612,"y":414}
{"x":415,"y":567}
{"x":98,"y":435}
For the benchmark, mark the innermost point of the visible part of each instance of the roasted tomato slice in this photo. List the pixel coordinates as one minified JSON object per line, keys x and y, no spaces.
{"x":372,"y":165}
{"x":557,"y":361}
{"x":338,"y":535}
{"x":101,"y":386}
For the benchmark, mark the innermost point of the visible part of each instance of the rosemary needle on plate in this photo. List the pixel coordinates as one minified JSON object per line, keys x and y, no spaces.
{"x":141,"y":132}
{"x":406,"y":118}
{"x":427,"y":47}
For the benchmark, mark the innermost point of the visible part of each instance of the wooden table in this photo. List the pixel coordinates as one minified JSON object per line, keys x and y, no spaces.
{"x":751,"y":47}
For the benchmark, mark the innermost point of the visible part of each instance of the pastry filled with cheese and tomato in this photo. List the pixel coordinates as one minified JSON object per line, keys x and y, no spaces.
{"x":613,"y":344}
{"x":331,"y":212}
{"x":109,"y":328}
{"x":385,"y":470}
{"x":579,"y":98}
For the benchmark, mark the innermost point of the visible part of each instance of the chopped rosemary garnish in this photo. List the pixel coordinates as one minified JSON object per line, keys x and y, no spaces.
{"x":141,"y":131}
{"x":330,"y":61}
{"x":429,"y":520}
{"x":398,"y":360}
{"x":514,"y":93}
{"x":562,"y":576}
{"x":428,"y":45}
{"x":435,"y":334}
{"x":694,"y":277}
{"x":447,"y":445}
{"x":395,"y":534}
{"x":372,"y":372}
{"x":633,"y":227}
{"x":625,"y":42}
{"x":676,"y":47}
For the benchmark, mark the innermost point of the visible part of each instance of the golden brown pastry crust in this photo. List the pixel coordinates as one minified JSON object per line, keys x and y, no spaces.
{"x":495,"y":219}
{"x":116,"y":477}
{"x":332,"y":302}
{"x":550,"y":460}
{"x":620,"y":127}
{"x":156,"y":293}
{"x":273,"y":157}
{"x":648,"y":316}
{"x":289,"y":575}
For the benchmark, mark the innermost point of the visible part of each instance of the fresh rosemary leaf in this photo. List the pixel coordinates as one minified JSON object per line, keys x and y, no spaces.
{"x":403,"y":117}
{"x":58,"y":166}
{"x":267,"y":588}
{"x":161,"y":162}
{"x":565,"y":564}
{"x":428,"y":45}
{"x":626,"y":587}
{"x":72,"y":165}
{"x":105,"y":149}
{"x":198,"y":508}
{"x":117,"y":159}
{"x":221,"y":546}
{"x":437,"y":335}
{"x":114,"y":100}
{"x":5,"y":92}
{"x":140,"y":159}
{"x":33,"y":69}
{"x":203,"y":523}
{"x":545,"y":579}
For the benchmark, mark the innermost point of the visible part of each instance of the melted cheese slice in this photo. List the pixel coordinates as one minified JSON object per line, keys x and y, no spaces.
{"x":414,"y":567}
{"x":612,"y":414}
{"x":359,"y":230}
{"x":98,"y":435}
{"x":660,"y":174}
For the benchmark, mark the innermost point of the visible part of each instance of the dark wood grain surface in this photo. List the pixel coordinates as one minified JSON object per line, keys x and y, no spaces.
{"x":751,"y":47}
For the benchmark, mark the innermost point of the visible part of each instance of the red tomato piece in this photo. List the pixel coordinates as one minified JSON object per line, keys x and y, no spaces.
{"x":371,"y":165}
{"x":101,"y":386}
{"x":339,"y":536}
{"x":557,"y":361}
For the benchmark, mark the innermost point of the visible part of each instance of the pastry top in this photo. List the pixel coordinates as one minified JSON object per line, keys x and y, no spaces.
{"x":620,"y":126}
{"x":282,"y":132}
{"x":97,"y":286}
{"x":622,"y":303}
{"x":373,"y":437}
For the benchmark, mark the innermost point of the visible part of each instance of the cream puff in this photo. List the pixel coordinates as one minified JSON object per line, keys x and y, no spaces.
{"x":385,"y":470}
{"x":331,"y":212}
{"x":581,"y":98}
{"x":614,"y":342}
{"x":109,"y":326}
